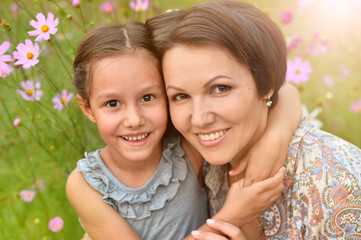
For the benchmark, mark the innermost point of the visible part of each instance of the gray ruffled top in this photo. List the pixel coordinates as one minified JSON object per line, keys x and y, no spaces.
{"x":169,"y":206}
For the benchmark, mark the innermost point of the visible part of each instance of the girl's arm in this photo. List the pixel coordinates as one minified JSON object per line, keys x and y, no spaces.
{"x":269,"y":153}
{"x":244,"y":204}
{"x":99,"y":219}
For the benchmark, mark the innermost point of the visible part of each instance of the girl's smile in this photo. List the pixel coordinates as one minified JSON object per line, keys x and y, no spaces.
{"x":136,"y":139}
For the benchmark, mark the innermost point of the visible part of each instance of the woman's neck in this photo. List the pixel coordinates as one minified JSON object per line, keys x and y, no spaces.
{"x":194,"y":157}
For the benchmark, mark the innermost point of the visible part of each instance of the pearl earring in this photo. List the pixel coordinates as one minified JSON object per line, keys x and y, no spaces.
{"x":269,"y":102}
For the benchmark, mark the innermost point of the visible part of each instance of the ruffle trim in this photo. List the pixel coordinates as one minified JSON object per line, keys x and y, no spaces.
{"x":138,"y":203}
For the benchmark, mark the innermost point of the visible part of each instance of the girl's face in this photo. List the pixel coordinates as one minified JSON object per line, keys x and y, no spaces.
{"x":213,"y":102}
{"x":128,"y":104}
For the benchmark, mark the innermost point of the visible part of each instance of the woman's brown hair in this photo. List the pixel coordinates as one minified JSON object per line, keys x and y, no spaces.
{"x":248,"y":34}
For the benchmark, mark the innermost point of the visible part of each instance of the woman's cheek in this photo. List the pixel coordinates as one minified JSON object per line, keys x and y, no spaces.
{"x":178,"y":116}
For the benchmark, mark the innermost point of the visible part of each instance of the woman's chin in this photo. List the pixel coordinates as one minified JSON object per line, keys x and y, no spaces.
{"x":216,"y":159}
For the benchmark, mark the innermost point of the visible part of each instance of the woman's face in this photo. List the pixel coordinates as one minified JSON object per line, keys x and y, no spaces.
{"x":213,"y":102}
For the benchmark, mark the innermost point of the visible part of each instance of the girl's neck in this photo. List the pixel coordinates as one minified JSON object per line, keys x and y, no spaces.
{"x":133,"y":174}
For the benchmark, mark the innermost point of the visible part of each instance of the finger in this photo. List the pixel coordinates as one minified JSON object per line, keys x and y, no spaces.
{"x":251,"y":178}
{"x":273,"y":182}
{"x":228,"y":229}
{"x":248,"y":179}
{"x":202,"y":235}
{"x":240,"y":168}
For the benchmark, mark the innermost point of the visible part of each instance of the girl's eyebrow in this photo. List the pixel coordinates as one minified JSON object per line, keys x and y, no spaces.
{"x":106,"y":95}
{"x":114,"y":95}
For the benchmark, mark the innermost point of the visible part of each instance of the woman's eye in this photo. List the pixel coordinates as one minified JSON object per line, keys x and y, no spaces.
{"x":112,"y":103}
{"x":147,"y":98}
{"x":179,"y":97}
{"x":221,"y":89}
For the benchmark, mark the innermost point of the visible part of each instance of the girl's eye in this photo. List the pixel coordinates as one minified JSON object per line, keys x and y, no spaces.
{"x":221,"y":89}
{"x":112,"y":103}
{"x":147,"y":98}
{"x":179,"y":97}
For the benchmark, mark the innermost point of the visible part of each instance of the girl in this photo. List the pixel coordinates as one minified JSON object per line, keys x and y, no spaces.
{"x":141,"y":184}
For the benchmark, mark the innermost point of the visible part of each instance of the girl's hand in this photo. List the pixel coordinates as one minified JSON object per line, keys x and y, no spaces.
{"x":229,"y":231}
{"x":244,"y":204}
{"x":264,"y":159}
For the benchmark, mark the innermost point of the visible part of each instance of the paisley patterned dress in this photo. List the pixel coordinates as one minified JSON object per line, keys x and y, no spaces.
{"x":323,"y":189}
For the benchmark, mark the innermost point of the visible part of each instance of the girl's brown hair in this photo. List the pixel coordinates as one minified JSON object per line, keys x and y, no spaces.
{"x":108,"y":40}
{"x":248,"y":34}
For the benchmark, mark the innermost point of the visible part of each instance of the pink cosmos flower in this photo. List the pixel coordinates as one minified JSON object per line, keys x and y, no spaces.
{"x":56,"y":224}
{"x":139,"y":5}
{"x":344,"y":71}
{"x":39,"y":185}
{"x":5,"y":68}
{"x":27,"y":54}
{"x":293,"y":42}
{"x":318,"y":45}
{"x":17,"y":122}
{"x":14,"y":9}
{"x":298,"y":71}
{"x":355,"y":107}
{"x":328,"y":80}
{"x":107,"y":7}
{"x":30,"y":91}
{"x":27,"y":195}
{"x":44,"y":27}
{"x":286,"y":17}
{"x":75,"y":3}
{"x":62,"y":99}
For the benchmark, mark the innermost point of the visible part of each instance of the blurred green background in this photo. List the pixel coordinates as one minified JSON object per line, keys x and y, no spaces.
{"x":38,"y":154}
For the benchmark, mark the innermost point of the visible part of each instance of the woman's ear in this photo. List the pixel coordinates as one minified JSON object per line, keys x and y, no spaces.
{"x":84,"y":106}
{"x":269,"y":94}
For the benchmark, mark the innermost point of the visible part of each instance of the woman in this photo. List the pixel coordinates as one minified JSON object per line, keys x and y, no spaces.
{"x":223,"y":64}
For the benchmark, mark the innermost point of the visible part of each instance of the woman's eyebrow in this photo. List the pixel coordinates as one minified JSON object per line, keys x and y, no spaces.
{"x":210,"y":81}
{"x":175,"y":88}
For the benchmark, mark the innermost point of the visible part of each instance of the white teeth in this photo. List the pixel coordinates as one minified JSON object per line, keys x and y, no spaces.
{"x":136,"y":138}
{"x":212,"y":136}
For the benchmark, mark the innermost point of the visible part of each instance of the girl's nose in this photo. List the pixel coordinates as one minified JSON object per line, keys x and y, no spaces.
{"x":133,"y":117}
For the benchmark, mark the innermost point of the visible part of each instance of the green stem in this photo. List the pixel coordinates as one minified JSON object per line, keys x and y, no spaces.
{"x":83,"y":19}
{"x":61,"y":60}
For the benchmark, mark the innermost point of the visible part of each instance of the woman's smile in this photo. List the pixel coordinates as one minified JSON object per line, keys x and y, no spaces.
{"x":212,"y":138}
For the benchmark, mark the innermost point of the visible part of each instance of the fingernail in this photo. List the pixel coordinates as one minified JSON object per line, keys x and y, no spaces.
{"x":195,"y":233}
{"x":211,"y":221}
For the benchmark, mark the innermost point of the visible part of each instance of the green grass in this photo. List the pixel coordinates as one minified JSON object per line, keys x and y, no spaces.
{"x":48,"y":142}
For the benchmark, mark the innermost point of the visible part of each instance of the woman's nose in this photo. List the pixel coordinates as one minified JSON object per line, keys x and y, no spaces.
{"x":201,"y":114}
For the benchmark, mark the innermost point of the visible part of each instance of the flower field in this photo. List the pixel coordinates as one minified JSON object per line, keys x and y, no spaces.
{"x":43,"y":131}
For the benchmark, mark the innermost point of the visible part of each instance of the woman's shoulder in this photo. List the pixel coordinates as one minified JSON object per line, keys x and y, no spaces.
{"x":309,"y":137}
{"x":314,"y":147}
